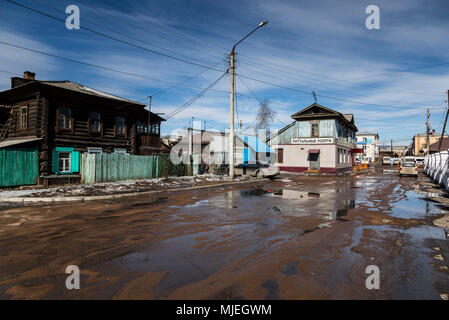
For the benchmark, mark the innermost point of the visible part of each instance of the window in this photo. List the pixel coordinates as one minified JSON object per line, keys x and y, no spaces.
{"x":64,"y":162}
{"x":24,"y":117}
{"x":120,"y":151}
{"x":280,"y":153}
{"x":120,"y":126}
{"x":315,"y":130}
{"x":154,"y":128}
{"x":142,"y":127}
{"x":95,"y":122}
{"x":94,"y":150}
{"x":64,"y":118}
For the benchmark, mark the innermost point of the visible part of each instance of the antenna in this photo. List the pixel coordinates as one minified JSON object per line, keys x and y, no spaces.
{"x":314,"y":96}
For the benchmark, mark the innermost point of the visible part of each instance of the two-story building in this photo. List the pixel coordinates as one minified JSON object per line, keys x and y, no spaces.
{"x":62,"y":119}
{"x":318,"y":140}
{"x":369,"y":143}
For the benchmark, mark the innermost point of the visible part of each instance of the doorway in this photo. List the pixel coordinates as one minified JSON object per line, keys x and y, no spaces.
{"x":314,"y":161}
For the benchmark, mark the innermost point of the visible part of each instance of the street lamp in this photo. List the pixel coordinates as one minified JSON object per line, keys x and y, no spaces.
{"x":231,"y":129}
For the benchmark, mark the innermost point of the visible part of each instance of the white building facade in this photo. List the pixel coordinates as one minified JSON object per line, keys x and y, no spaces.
{"x":369,"y":142}
{"x":319,"y":140}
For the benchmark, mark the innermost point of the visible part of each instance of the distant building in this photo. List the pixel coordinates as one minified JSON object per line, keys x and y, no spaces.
{"x":369,"y":142}
{"x":398,"y":151}
{"x":318,"y":140}
{"x":435,"y":147}
{"x":419,"y":142}
{"x":213,"y":148}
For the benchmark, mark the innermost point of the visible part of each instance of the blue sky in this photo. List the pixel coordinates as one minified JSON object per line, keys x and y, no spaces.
{"x":386,"y":78}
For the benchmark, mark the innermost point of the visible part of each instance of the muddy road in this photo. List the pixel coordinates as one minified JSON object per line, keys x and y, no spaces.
{"x":298,"y":237}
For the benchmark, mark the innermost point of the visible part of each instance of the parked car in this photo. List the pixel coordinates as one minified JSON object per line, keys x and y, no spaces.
{"x":257,"y":169}
{"x":419,"y":162}
{"x":408,"y":168}
{"x":386,"y":160}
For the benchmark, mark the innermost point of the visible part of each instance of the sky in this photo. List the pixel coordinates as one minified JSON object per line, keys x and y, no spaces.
{"x":172,"y":50}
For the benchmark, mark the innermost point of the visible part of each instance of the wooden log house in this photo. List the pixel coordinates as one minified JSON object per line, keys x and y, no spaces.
{"x":63,"y":119}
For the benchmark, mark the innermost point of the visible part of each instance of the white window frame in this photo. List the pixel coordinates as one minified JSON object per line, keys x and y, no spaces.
{"x":94,"y":150}
{"x":69,"y":162}
{"x":120,"y":151}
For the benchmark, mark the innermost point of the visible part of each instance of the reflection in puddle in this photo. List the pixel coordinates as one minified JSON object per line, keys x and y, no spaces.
{"x":286,"y":202}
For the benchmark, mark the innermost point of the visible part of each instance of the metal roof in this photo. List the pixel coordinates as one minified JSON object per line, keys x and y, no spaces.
{"x":73,"y":86}
{"x":8,"y":143}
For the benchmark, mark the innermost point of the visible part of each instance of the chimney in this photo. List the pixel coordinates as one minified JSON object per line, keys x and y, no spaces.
{"x":27,"y":77}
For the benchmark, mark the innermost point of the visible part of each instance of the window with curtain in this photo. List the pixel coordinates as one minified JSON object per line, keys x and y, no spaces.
{"x":304,"y":129}
{"x":327,"y":128}
{"x":64,"y":118}
{"x":95,"y":122}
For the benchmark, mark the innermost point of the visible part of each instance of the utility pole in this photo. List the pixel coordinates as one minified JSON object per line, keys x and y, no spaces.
{"x":427,"y":133}
{"x":191,"y":137}
{"x":231,"y":126}
{"x":149,"y":116}
{"x":444,"y":126}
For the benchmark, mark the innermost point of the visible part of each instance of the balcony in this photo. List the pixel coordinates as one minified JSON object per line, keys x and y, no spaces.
{"x":149,"y":140}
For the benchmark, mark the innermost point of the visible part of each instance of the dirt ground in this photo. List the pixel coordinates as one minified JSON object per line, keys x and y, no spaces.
{"x":299,"y":237}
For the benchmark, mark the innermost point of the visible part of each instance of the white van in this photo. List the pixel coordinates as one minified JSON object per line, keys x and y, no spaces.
{"x":386,"y":160}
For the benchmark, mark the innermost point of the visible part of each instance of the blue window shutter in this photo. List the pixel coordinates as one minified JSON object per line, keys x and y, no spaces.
{"x":75,"y":161}
{"x":54,"y":166}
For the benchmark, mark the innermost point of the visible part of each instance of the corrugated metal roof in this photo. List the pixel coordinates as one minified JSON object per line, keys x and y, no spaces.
{"x":73,"y":86}
{"x":8,"y":143}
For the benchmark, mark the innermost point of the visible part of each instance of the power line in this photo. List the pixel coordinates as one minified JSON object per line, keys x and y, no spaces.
{"x":327,"y":97}
{"x":194,"y":63}
{"x":195,"y":98}
{"x":182,"y":82}
{"x":102,"y":67}
{"x":112,"y":37}
{"x":257,"y":99}
{"x":118,"y":32}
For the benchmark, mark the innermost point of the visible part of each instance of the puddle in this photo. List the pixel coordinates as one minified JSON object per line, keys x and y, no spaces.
{"x":290,"y":269}
{"x":412,"y":206}
{"x":272,"y":288}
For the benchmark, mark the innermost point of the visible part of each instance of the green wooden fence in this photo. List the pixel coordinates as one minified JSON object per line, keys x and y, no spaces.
{"x":18,"y":167}
{"x":118,"y":167}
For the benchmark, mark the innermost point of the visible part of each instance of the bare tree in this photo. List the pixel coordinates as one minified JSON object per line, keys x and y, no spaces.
{"x":265,"y":115}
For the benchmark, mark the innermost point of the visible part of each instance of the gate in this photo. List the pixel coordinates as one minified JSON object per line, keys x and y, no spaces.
{"x":18,"y":167}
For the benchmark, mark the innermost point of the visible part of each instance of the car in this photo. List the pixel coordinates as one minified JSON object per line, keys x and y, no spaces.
{"x":408,"y":168}
{"x":386,"y":160}
{"x":408,"y":159}
{"x":258,"y":169}
{"x":396,"y":160}
{"x":419,"y":162}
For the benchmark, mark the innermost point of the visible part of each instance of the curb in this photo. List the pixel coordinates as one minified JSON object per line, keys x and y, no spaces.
{"x":115,"y":196}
